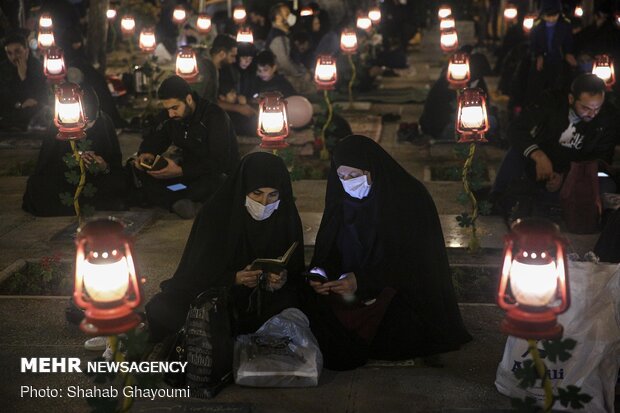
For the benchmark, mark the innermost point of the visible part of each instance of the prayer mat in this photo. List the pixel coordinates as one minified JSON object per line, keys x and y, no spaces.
{"x":134,"y":221}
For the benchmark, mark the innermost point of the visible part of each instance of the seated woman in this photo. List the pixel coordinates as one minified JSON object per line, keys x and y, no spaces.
{"x":388,"y":292}
{"x":101,"y":153}
{"x":251,"y":216}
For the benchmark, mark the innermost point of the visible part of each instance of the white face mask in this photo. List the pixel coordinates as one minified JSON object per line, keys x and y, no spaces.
{"x":259,"y":211}
{"x":291,"y":20}
{"x":356,"y":187}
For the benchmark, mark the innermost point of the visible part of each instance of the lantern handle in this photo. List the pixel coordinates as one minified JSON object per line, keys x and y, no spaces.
{"x":503,"y":281}
{"x":133,"y":278}
{"x":562,"y":276}
{"x":78,"y":291}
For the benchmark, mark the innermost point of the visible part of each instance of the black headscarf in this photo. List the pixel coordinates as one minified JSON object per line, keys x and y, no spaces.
{"x":225,"y":238}
{"x":397,"y":230}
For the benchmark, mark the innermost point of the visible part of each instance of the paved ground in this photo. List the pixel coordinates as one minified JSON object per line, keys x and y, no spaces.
{"x":35,"y":327}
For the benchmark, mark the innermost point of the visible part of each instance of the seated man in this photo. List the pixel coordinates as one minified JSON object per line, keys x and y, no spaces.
{"x":221,"y":57}
{"x":22,"y":84}
{"x":207,"y":144}
{"x":552,"y":133}
{"x":267,"y":78}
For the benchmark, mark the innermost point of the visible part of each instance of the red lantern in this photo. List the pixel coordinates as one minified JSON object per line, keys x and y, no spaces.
{"x":128,"y":25}
{"x":45,"y":21}
{"x":186,"y":64}
{"x":449,"y":40}
{"x":447,"y":23}
{"x":374,"y":14}
{"x":244,"y":35}
{"x":203,"y":23}
{"x":306,"y":12}
{"x":325,"y":73}
{"x":147,"y":39}
{"x":272,"y":121}
{"x":69,"y":112}
{"x":110,"y":14}
{"x":472,"y":121}
{"x":106,"y":284}
{"x":54,"y":64}
{"x":528,"y":22}
{"x":603,"y":67}
{"x":179,"y":15}
{"x":533,"y":288}
{"x":45,"y":39}
{"x":348,"y":41}
{"x":363,"y":23}
{"x":578,"y":13}
{"x":458,"y":73}
{"x":510,"y":12}
{"x":444,"y":11}
{"x":239,"y":15}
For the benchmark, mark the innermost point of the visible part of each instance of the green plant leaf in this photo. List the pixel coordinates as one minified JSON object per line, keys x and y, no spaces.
{"x":463,"y":198}
{"x":70,"y":160}
{"x":87,"y":210}
{"x":464,"y":220}
{"x":84,"y":145}
{"x":89,"y":190}
{"x":558,"y":349}
{"x":527,"y":405}
{"x":526,"y":374}
{"x":73,"y":177}
{"x":572,"y":397}
{"x":66,"y":198}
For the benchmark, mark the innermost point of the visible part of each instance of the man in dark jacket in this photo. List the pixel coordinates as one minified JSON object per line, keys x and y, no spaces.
{"x":556,"y":131}
{"x":207,"y":146}
{"x":22,"y":84}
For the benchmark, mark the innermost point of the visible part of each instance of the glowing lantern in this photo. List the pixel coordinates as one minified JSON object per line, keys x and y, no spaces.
{"x":69,"y":112}
{"x":179,"y":15}
{"x":449,"y":40}
{"x":128,"y":25}
{"x":472,"y":120}
{"x":447,"y":23}
{"x":45,"y":21}
{"x":364,"y":23}
{"x":54,"y":64}
{"x":45,"y":39}
{"x":348,"y":41}
{"x":458,"y":73}
{"x":186,"y":65}
{"x":578,"y":13}
{"x":239,"y":15}
{"x":374,"y":14}
{"x":510,"y":12}
{"x":444,"y":11}
{"x":528,"y":22}
{"x":325,"y":73}
{"x":533,"y":287}
{"x":147,"y":39}
{"x":617,"y":19}
{"x":306,"y":11}
{"x":106,"y":284}
{"x":245,"y":36}
{"x":603,"y":67}
{"x":272,"y":121}
{"x":110,"y":14}
{"x":203,"y":23}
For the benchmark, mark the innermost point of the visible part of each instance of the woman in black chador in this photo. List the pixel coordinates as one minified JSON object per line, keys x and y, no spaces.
{"x":389,"y":292}
{"x":251,"y":216}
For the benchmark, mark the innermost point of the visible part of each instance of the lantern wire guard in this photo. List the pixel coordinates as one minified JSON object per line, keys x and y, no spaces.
{"x":272,"y":103}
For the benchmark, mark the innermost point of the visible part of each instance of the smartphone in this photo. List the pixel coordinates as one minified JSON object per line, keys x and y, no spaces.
{"x":312,"y":276}
{"x":176,"y":187}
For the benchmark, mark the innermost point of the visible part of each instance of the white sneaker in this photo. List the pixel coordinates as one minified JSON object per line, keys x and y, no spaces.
{"x":96,"y":343}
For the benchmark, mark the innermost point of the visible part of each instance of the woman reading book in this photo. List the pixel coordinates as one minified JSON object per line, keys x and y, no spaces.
{"x":252,"y":218}
{"x":387,"y":291}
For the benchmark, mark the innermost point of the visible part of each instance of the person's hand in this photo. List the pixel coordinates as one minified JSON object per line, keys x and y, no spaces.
{"x":319,"y":287}
{"x":172,"y":170}
{"x":28,"y":103}
{"x":247,"y":277}
{"x":91,"y":157}
{"x":544,"y":168}
{"x":276,"y":281}
{"x":346,"y":285}
{"x":247,"y":110}
{"x":539,"y":63}
{"x":242,"y":100}
{"x":555,"y":182}
{"x":22,"y":66}
{"x":144,"y":158}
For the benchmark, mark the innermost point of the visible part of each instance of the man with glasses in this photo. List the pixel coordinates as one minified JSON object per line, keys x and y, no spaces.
{"x":552,"y":133}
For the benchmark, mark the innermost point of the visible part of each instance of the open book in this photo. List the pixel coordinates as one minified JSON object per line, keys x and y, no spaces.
{"x":274,"y":265}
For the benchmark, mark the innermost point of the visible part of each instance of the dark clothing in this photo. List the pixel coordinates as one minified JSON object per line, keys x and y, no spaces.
{"x":390,"y":240}
{"x":594,"y":40}
{"x":44,"y":187}
{"x":246,"y":80}
{"x":277,"y":83}
{"x":15,"y":91}
{"x":224,"y":240}
{"x":208,"y":149}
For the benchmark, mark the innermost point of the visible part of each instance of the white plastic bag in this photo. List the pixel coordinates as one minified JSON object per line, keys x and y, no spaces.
{"x":282,"y":353}
{"x":593,"y":320}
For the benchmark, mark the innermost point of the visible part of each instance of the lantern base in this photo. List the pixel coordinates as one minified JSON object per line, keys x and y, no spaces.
{"x":71,"y":136}
{"x":529,"y":325}
{"x":273,"y":145}
{"x":106,"y":327}
{"x":471,"y":137}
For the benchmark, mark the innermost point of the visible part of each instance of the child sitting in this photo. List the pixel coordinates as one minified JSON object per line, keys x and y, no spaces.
{"x":243,"y":124}
{"x":267,"y":78}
